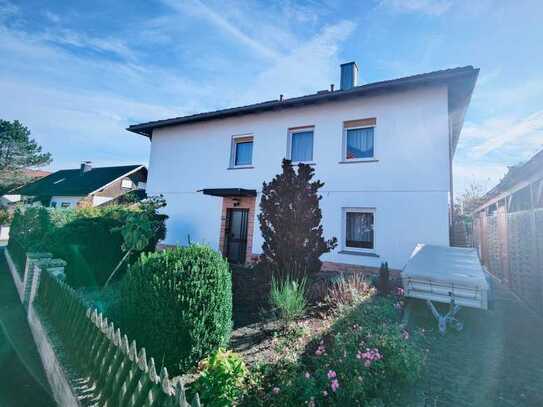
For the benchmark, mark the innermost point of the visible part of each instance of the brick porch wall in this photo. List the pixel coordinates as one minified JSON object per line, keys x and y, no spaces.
{"x":239,"y":203}
{"x":341,"y":268}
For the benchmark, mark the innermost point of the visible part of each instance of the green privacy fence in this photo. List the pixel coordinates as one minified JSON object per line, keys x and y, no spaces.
{"x":110,"y":370}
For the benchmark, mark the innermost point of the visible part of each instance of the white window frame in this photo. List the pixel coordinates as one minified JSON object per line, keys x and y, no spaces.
{"x":344,"y":246}
{"x":128,"y":181}
{"x":289,"y":143}
{"x":241,"y":138}
{"x":344,"y":144}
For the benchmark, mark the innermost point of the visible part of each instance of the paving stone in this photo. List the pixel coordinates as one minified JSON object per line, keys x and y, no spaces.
{"x":496,"y":361}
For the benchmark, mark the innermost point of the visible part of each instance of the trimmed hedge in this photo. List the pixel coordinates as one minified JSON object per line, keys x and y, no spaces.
{"x":26,"y":234}
{"x":89,"y":239}
{"x":178,"y":305}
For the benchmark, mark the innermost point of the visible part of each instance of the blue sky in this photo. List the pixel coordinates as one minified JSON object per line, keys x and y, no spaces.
{"x":77,"y":73}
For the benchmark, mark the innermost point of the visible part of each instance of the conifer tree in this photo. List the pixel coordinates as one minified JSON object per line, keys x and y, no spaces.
{"x":290,"y":222}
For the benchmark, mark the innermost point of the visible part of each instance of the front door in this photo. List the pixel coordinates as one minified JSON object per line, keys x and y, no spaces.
{"x":236,"y":235}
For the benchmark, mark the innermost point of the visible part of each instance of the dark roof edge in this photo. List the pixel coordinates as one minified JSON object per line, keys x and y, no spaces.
{"x":513,"y":179}
{"x":146,"y":129}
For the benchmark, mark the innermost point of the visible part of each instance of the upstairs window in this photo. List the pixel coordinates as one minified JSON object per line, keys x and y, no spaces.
{"x":359,"y":140}
{"x":300,"y":144}
{"x":242,"y":151}
{"x":359,"y":229}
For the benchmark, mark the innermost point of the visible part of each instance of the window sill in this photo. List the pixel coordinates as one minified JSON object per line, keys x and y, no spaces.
{"x":353,"y":161}
{"x":241,"y":167}
{"x":295,"y":163}
{"x":356,"y":253}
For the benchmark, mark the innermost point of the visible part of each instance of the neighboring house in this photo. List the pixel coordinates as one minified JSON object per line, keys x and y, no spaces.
{"x":383,"y":150}
{"x":508,"y":230}
{"x":85,"y":186}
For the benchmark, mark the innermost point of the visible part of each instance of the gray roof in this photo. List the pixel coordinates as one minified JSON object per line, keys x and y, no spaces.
{"x":74,"y":182}
{"x":460,"y":82}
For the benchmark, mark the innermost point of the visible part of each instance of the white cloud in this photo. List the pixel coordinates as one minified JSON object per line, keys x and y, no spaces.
{"x":54,"y":18}
{"x":217,"y":19}
{"x":488,"y":147}
{"x":75,"y":39}
{"x":494,"y":97}
{"x":7,"y":9}
{"x":485,"y":174}
{"x":78,"y":104}
{"x":306,"y":69}
{"x":428,"y":7}
{"x":524,"y":134}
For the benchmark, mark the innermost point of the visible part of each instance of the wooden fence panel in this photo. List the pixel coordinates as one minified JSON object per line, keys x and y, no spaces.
{"x":112,"y":372}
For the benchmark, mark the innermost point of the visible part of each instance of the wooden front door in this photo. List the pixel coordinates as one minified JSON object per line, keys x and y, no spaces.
{"x":236,"y":235}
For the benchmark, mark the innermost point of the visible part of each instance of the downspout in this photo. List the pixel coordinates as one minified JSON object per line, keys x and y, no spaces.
{"x":451,"y":194}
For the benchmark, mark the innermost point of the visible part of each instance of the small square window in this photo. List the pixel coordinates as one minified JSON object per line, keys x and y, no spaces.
{"x":359,"y":229}
{"x":359,"y":143}
{"x":126,"y":183}
{"x":53,"y":204}
{"x":65,"y":205}
{"x":301,"y":145}
{"x":242,"y":151}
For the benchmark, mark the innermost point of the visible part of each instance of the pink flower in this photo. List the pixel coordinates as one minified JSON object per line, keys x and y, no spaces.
{"x":307,"y":375}
{"x":369,"y":356}
{"x":400,"y":292}
{"x":334,"y":385}
{"x":276,"y":390}
{"x":320,"y":350}
{"x":331,"y":374}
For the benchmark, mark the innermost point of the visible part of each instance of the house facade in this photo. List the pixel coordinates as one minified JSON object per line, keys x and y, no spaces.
{"x":85,"y":186}
{"x":383,"y":150}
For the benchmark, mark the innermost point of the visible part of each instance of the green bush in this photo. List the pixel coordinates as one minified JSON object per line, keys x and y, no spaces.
{"x":288,"y":298}
{"x":27,"y":231}
{"x":89,"y":239}
{"x":222,"y":378}
{"x":178,"y":305}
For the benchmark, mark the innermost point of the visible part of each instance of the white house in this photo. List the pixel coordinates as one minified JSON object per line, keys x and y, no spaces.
{"x":383,"y":150}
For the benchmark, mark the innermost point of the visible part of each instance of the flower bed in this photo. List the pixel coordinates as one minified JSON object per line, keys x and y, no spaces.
{"x":359,"y":354}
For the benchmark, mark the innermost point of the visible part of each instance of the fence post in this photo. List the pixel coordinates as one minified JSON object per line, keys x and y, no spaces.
{"x":28,"y":275}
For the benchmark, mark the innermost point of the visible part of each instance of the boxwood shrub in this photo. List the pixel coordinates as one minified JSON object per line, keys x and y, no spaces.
{"x":178,"y":305}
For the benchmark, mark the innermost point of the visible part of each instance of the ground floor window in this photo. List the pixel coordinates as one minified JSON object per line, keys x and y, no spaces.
{"x":358,"y":226}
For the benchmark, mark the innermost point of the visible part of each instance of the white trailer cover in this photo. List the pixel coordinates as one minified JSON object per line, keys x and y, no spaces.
{"x":441,"y":273}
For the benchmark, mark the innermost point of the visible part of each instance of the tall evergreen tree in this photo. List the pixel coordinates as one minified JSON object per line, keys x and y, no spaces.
{"x":17,"y":152}
{"x":290,"y":222}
